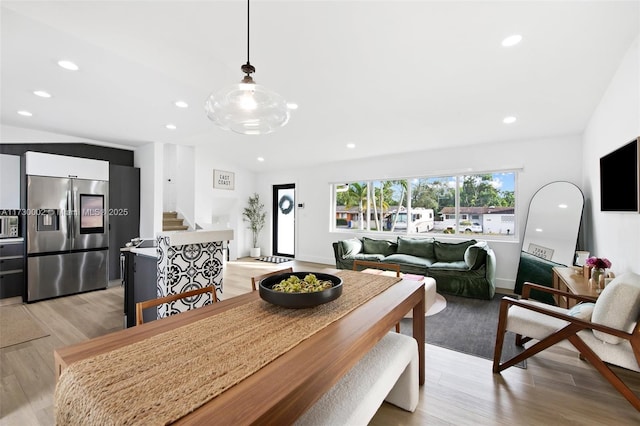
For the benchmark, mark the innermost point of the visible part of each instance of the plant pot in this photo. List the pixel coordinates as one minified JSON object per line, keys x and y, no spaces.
{"x":255,"y":252}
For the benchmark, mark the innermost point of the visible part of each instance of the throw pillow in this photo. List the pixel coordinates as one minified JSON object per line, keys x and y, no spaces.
{"x":451,"y":252}
{"x":350,"y":247}
{"x":384,"y":247}
{"x":475,"y":255}
{"x":420,"y":247}
{"x":618,"y":306}
{"x":582,"y":311}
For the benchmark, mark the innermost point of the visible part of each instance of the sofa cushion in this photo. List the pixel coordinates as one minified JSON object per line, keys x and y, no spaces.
{"x":459,"y":265}
{"x":451,"y":252}
{"x":421,"y":247}
{"x":618,"y":306}
{"x":370,"y":257}
{"x":350,"y":247}
{"x":407,"y":259}
{"x":383,"y":247}
{"x":476,"y":255}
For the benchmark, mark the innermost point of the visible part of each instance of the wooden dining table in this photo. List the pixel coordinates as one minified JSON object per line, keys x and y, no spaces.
{"x":284,"y":389}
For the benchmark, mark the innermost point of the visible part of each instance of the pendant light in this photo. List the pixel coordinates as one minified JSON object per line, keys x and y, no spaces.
{"x":247,"y":108}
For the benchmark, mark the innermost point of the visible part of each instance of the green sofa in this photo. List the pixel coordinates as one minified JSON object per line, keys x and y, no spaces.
{"x":464,"y":269}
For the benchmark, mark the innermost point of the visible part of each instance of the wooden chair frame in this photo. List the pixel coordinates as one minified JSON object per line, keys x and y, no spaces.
{"x":379,"y":265}
{"x":255,"y":280}
{"x":141,"y":306}
{"x":569,"y":333}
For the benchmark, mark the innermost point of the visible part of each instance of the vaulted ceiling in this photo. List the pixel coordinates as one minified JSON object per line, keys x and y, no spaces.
{"x":387,"y":76}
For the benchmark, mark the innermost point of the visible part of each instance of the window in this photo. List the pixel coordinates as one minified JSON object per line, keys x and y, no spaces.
{"x":470,"y":204}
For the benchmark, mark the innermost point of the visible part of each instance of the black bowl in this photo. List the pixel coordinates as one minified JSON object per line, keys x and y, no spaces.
{"x":299,"y":300}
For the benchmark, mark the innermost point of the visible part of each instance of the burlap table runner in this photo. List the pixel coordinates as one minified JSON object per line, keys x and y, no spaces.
{"x":161,"y":379}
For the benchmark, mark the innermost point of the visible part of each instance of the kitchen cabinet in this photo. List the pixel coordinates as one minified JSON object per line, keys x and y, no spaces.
{"x":51,"y":165}
{"x":124,"y":220}
{"x":11,"y":267}
{"x":140,"y":277}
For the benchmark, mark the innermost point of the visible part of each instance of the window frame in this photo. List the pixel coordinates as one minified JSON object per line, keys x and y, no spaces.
{"x":458,"y":177}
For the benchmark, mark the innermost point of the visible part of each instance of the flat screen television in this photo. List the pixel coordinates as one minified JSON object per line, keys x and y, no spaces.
{"x":620,"y":179}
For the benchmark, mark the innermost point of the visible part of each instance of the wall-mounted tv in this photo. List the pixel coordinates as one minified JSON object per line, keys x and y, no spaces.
{"x":620,"y":179}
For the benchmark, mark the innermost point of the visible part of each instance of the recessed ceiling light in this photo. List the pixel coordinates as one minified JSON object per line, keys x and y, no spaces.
{"x":512,"y":40}
{"x":181,"y":104}
{"x":171,"y":126}
{"x":563,"y":206}
{"x":509,"y":120}
{"x":538,"y":229}
{"x":42,"y":94}
{"x":260,"y":159}
{"x":68,"y":65}
{"x":351,"y":145}
{"x":292,"y":105}
{"x":25,"y":113}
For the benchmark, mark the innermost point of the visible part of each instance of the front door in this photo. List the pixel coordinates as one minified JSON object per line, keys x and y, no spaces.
{"x":284,"y":220}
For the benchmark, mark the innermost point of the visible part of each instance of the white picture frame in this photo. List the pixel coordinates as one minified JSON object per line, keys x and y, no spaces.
{"x":223,"y":179}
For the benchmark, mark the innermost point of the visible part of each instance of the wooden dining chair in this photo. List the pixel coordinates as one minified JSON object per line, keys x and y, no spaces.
{"x":255,"y":280}
{"x":365,"y":264}
{"x":141,"y":306}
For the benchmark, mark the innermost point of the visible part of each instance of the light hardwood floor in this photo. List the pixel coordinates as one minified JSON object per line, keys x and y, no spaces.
{"x":556,"y":388}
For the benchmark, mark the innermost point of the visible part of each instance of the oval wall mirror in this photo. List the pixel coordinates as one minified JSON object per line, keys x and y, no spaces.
{"x":553,"y":222}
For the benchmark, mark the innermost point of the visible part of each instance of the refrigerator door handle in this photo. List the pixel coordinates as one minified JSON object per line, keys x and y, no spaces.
{"x":67,"y":213}
{"x":74,"y":215}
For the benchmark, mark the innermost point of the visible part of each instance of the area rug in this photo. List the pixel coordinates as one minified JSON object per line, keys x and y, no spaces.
{"x":275,"y":259}
{"x":468,"y":326}
{"x":18,"y":326}
{"x":438,"y":305}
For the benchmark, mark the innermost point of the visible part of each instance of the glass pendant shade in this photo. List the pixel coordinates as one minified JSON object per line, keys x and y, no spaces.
{"x":247,"y":108}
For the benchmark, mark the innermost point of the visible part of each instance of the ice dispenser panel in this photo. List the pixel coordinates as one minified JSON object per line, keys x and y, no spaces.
{"x":48,"y":220}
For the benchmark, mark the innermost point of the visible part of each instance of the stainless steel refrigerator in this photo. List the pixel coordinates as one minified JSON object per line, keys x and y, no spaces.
{"x":67,"y":236}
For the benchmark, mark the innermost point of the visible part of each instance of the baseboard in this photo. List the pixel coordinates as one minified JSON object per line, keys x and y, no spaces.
{"x":506,"y":291}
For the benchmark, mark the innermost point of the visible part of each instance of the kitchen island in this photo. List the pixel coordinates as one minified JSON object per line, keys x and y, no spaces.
{"x":181,"y":261}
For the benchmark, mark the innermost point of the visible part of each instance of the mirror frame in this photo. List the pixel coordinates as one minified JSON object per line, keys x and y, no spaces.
{"x":546,"y":237}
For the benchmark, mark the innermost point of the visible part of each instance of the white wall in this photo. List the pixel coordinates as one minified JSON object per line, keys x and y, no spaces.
{"x":615,"y":122}
{"x":170,"y":166}
{"x":184,"y":183}
{"x":178,"y":182}
{"x":150,"y":160}
{"x":9,"y":181}
{"x":221,"y":208}
{"x":540,"y":161}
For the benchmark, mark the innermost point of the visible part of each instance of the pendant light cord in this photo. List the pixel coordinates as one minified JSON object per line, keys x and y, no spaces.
{"x":248,"y":32}
{"x":247,"y":68}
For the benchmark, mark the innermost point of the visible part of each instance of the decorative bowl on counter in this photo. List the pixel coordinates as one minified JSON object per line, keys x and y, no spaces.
{"x":299,"y":300}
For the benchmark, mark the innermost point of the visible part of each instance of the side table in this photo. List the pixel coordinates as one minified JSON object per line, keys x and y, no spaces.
{"x":572,"y":280}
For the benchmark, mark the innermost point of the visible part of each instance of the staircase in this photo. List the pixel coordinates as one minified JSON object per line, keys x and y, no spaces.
{"x":170,"y":222}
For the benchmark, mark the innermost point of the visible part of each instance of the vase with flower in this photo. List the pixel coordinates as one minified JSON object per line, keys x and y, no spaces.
{"x":598,"y":267}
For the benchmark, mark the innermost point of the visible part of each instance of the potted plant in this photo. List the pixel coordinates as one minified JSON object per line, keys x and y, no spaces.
{"x":254,"y":214}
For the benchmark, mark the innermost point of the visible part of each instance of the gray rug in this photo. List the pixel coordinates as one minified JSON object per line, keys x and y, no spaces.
{"x":469,"y":326}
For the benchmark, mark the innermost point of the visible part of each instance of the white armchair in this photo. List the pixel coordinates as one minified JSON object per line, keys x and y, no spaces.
{"x":606,"y":331}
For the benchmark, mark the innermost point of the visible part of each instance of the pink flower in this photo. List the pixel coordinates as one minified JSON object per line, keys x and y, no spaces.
{"x":599,"y":262}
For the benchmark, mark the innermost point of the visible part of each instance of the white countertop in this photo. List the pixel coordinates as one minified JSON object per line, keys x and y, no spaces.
{"x":180,"y":238}
{"x":149,"y":251}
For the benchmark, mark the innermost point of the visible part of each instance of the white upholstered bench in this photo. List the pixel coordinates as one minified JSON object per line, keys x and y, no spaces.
{"x":388,"y":372}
